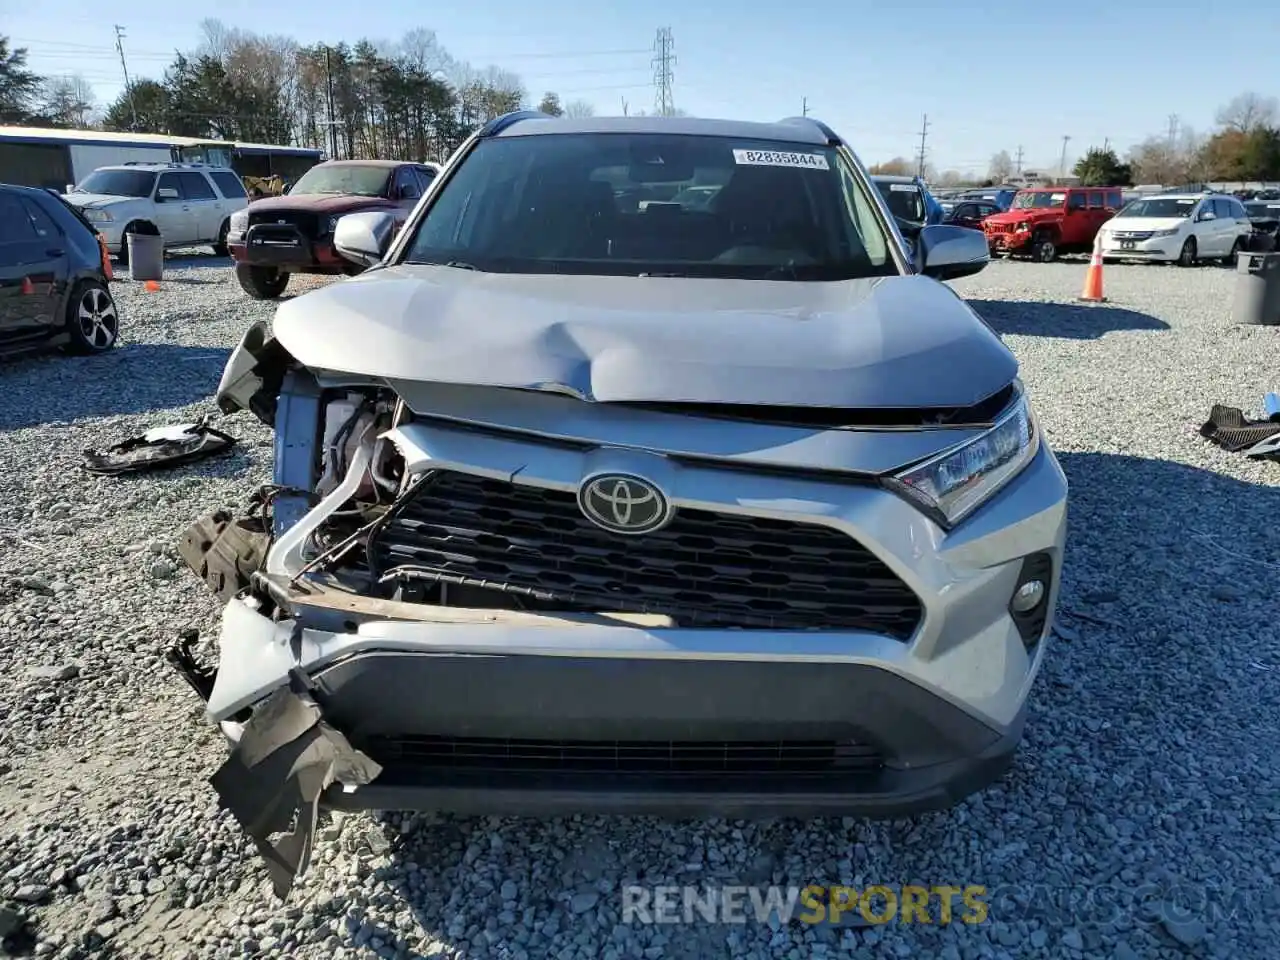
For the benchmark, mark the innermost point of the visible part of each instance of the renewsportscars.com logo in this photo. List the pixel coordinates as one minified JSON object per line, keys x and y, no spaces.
{"x":813,"y":904}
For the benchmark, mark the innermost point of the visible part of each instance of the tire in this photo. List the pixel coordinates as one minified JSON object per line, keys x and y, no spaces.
{"x":220,"y":248}
{"x":93,"y":322}
{"x":261,"y":283}
{"x":1187,"y":258}
{"x":1043,"y":249}
{"x":1236,"y":249}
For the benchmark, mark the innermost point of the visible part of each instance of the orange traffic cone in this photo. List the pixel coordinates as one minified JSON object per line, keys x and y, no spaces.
{"x":28,"y":287}
{"x":151,"y":286}
{"x":1092,"y":292}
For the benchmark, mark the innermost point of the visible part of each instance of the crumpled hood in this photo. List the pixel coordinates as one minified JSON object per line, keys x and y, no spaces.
{"x":89,"y":201}
{"x":875,"y":343}
{"x":320,"y":203}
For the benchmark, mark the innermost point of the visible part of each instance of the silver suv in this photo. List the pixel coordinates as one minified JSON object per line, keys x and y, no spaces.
{"x":647,"y":469}
{"x":188,"y":204}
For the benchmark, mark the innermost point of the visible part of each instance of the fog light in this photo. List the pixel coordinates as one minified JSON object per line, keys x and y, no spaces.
{"x":1028,"y":596}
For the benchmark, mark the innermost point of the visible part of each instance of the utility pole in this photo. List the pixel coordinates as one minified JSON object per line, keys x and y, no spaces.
{"x":664,"y":59}
{"x":128,"y":87}
{"x":1018,"y":161}
{"x":1106,"y":144}
{"x":1173,"y":131}
{"x":330,"y":122}
{"x":624,"y":106}
{"x":804,"y":106}
{"x":1062,"y":164}
{"x":924,"y":134}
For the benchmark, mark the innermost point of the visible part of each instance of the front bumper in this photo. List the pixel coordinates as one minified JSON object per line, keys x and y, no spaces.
{"x":1153,"y":248}
{"x":295,"y":253}
{"x":1012,"y":242}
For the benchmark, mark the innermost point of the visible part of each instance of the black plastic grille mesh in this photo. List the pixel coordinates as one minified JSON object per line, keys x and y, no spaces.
{"x":702,"y":569}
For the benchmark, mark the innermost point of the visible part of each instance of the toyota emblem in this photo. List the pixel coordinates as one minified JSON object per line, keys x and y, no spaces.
{"x":625,"y":504}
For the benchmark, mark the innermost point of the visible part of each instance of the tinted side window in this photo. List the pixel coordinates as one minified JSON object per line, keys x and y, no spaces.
{"x":425,"y":176}
{"x":229,"y":184}
{"x":169,"y":181}
{"x":196,"y":187}
{"x":1237,"y":210}
{"x":15,"y":225}
{"x":1076,"y":201}
{"x":45,"y":228}
{"x":1095,"y":199}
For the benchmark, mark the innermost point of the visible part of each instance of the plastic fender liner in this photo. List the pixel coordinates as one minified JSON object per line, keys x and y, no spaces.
{"x":284,"y":761}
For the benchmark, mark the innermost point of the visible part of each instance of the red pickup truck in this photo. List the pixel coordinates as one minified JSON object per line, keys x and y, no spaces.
{"x":1046,"y":221}
{"x":275,"y":237}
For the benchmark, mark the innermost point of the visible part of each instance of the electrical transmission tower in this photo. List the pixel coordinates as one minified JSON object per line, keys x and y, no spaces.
{"x":664,"y":59}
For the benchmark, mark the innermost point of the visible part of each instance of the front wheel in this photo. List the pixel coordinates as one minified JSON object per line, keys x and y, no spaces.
{"x":261,"y":283}
{"x":93,"y":324}
{"x":1043,"y":249}
{"x":1187,"y":258}
{"x":1236,"y":248}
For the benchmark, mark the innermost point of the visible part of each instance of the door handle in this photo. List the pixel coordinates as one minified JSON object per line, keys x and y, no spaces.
{"x":55,"y":252}
{"x":186,"y":209}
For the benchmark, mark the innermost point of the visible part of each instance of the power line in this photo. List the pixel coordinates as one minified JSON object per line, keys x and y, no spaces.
{"x":924,"y":134}
{"x":663,"y":60}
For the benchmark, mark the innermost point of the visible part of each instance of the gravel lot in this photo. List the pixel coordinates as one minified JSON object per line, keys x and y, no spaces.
{"x":1142,"y":821}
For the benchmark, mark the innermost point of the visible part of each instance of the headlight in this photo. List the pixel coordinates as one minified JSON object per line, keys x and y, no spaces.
{"x":1022,"y":227}
{"x":333,"y":224}
{"x":239,"y":222}
{"x":1171,"y":232}
{"x":97,"y":216}
{"x":953,"y":484}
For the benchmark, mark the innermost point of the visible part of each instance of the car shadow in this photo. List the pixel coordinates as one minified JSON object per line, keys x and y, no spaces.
{"x":64,"y":388}
{"x":1073,"y":321}
{"x":1134,"y":673}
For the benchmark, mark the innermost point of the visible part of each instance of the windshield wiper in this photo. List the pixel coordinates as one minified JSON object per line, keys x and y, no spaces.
{"x":460,"y":265}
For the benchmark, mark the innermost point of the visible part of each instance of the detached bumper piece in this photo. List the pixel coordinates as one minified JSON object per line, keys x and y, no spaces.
{"x":156,"y":449}
{"x":272,"y":783}
{"x":1230,"y":429}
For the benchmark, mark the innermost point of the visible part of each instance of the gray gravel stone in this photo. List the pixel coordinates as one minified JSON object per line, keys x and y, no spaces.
{"x":1147,"y":746}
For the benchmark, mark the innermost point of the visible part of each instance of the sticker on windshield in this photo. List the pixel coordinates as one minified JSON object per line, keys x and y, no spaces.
{"x":1273,"y":206}
{"x":1057,"y":197}
{"x":902,"y":187}
{"x":770,"y":158}
{"x":1186,"y":203}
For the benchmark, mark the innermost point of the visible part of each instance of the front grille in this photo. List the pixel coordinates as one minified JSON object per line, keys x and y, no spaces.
{"x":1133,"y":235}
{"x":997,"y":227}
{"x":308,"y":224}
{"x":620,"y":756}
{"x":703,"y":569}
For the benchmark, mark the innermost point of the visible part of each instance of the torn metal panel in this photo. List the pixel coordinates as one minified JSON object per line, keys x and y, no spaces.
{"x":272,"y":782}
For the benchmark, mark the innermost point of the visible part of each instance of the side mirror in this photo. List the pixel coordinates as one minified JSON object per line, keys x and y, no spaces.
{"x":1207,"y":215}
{"x":364,"y":238}
{"x":166,"y":193}
{"x":948,"y":252}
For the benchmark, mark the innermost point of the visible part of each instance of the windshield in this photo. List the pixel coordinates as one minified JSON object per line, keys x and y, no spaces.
{"x":1161,"y":207}
{"x":118,"y":183}
{"x":623,"y":204}
{"x":347,"y":179}
{"x":1038,"y":199}
{"x":904,"y":199}
{"x":1265,"y":211}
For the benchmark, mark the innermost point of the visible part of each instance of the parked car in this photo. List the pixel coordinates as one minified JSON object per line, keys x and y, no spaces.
{"x":1044,"y":222}
{"x":588,"y":506}
{"x":1001,"y":196}
{"x":1184,"y":228}
{"x":187,"y":204}
{"x":278,"y":236}
{"x":909,"y":201}
{"x":1264,"y":216}
{"x":54,"y":274}
{"x":971,"y":213}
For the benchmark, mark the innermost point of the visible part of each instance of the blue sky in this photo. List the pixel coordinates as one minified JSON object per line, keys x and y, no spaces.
{"x":997,"y":76}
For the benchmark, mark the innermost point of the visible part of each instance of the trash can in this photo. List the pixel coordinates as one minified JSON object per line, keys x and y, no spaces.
{"x":1257,"y":293}
{"x":146,"y":256}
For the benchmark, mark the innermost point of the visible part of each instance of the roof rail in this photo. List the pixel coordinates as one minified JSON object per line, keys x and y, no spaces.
{"x":498,"y":124}
{"x":833,"y":139}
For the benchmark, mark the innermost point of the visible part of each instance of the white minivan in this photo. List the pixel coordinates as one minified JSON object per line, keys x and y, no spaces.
{"x":1181,"y":227}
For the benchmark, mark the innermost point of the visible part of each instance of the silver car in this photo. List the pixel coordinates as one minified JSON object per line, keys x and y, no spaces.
{"x":590,"y":498}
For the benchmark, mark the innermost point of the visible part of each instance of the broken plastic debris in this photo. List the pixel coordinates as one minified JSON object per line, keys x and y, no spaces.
{"x":168,"y":446}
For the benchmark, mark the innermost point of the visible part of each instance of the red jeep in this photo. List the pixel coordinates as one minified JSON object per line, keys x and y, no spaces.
{"x":1046,"y":221}
{"x":275,"y":237}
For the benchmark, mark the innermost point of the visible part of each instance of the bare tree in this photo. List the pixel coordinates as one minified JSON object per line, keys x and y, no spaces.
{"x":68,"y":101}
{"x":1249,"y":111}
{"x":579,"y":108}
{"x":1001,"y":168}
